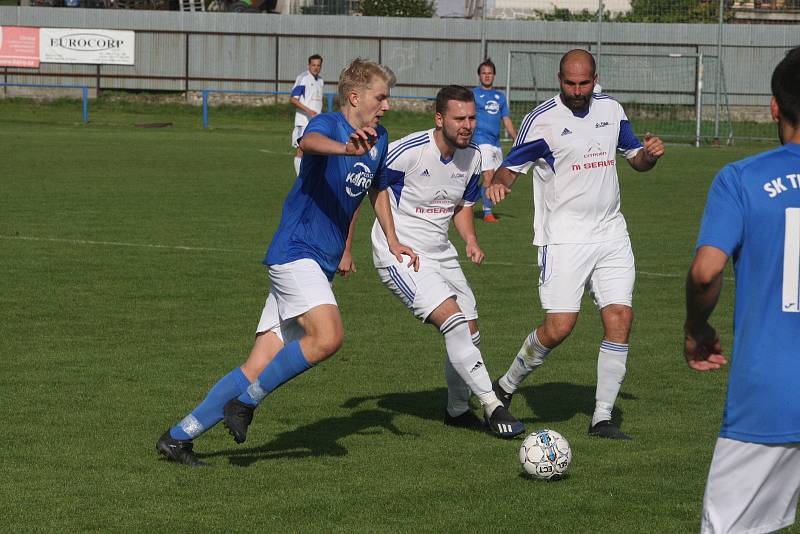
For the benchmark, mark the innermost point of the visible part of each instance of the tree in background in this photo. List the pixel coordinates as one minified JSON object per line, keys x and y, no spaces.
{"x":397,"y":8}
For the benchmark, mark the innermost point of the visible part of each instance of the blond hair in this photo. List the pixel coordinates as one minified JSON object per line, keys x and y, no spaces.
{"x":359,"y":74}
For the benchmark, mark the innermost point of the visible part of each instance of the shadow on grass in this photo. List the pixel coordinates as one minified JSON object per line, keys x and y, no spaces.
{"x":320,"y":438}
{"x":561,"y":401}
{"x":551,"y":402}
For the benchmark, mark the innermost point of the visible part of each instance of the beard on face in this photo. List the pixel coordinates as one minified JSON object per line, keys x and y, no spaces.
{"x":453,"y":139}
{"x":575,"y":103}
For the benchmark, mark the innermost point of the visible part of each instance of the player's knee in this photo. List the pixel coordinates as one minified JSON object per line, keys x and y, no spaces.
{"x":558,"y":330}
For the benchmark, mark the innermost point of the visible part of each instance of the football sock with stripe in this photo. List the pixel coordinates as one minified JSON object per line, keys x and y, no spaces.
{"x":530,"y":356}
{"x":466,"y":360}
{"x":458,"y":392}
{"x":209,"y":412}
{"x":487,"y":202}
{"x":610,"y":374}
{"x":287,"y":364}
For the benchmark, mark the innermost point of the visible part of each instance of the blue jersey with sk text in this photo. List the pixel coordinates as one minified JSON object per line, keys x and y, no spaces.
{"x":491,"y":107}
{"x":318,"y":210}
{"x":753,"y":215}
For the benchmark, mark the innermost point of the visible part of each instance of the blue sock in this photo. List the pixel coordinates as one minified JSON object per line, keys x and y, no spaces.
{"x":487,"y":202}
{"x":209,"y":412}
{"x":287,"y":364}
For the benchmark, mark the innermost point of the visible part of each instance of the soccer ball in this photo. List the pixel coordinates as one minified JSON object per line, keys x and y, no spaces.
{"x":545,"y":454}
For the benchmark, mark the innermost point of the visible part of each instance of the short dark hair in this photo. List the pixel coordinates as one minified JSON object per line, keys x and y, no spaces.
{"x":313,"y":57}
{"x":786,"y":86}
{"x":452,"y":92}
{"x":487,"y":63}
{"x":577,"y":51}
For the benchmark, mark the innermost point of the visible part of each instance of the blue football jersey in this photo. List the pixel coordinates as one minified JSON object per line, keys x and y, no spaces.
{"x":491,"y":107}
{"x":753,"y":215}
{"x":320,"y":206}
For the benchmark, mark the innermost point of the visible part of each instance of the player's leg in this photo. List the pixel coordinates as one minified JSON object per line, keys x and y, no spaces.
{"x":490,"y":161}
{"x":611,"y":285}
{"x":297,"y":133}
{"x":563,"y":271}
{"x":176,"y":443}
{"x":312,"y":331}
{"x":751,"y":487}
{"x":458,"y":392}
{"x":466,"y":360}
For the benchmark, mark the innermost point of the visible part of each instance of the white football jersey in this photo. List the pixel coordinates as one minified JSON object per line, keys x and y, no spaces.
{"x":424,"y":193}
{"x":575,"y":184}
{"x":308,"y":89}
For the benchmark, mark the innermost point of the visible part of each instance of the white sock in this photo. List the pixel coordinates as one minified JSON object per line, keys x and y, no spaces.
{"x":458,"y":392}
{"x":297,"y":165}
{"x":466,"y":360}
{"x":530,"y":356}
{"x":610,"y":373}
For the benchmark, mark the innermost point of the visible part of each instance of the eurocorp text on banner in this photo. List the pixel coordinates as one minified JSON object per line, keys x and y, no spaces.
{"x":102,"y":47}
{"x":19,"y":46}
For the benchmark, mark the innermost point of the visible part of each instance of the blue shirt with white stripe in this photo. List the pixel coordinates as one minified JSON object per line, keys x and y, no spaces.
{"x":319,"y":208}
{"x":753,"y":215}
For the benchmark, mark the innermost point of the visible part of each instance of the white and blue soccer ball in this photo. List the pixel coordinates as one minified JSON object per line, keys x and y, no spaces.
{"x":545,"y":454}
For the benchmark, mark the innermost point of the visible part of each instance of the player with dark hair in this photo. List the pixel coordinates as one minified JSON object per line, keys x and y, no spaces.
{"x":571,"y":141}
{"x":492,"y":109}
{"x":307,"y":98}
{"x":752,"y":215}
{"x":434,"y":178}
{"x":300,"y":325}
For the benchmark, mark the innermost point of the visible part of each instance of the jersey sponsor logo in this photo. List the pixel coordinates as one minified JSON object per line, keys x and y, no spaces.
{"x":426,"y":174}
{"x":566,"y":132}
{"x":602,"y":124}
{"x":492,"y":107}
{"x":440,"y":197}
{"x":457,"y":175}
{"x":358,"y":180}
{"x":598,"y":156}
{"x":441,"y":204}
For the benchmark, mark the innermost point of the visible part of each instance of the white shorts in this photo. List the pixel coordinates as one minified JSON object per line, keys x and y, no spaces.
{"x":491,"y":157}
{"x":295,"y":288}
{"x":423,"y":291}
{"x":751,"y":487}
{"x":606,"y":269}
{"x":297,"y":133}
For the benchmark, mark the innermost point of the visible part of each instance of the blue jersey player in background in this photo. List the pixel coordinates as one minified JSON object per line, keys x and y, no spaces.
{"x":300,"y":325}
{"x":492,"y":109}
{"x":752,"y":215}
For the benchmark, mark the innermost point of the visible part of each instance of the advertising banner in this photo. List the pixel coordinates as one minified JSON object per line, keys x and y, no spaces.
{"x":19,"y":46}
{"x":96,"y":47}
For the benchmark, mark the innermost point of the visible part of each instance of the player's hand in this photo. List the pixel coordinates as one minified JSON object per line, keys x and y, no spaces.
{"x":346,"y":265}
{"x":702,"y":350}
{"x":361,"y":141}
{"x":653,"y":147}
{"x":475,"y":254}
{"x":399,"y":250}
{"x":497,"y":192}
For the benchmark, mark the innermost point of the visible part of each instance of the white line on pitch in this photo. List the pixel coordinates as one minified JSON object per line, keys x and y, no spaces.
{"x":216,"y":249}
{"x":121,"y":244}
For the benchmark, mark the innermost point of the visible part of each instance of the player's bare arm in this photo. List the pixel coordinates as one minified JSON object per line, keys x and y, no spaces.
{"x":360,"y":142}
{"x":464,"y":221}
{"x":703,"y":285}
{"x":501,"y":184}
{"x":302,"y":107}
{"x":647,"y":157}
{"x":346,"y":265}
{"x":383,"y":212}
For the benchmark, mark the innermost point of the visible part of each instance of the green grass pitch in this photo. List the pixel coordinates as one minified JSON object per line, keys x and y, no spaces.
{"x":130,"y":281}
